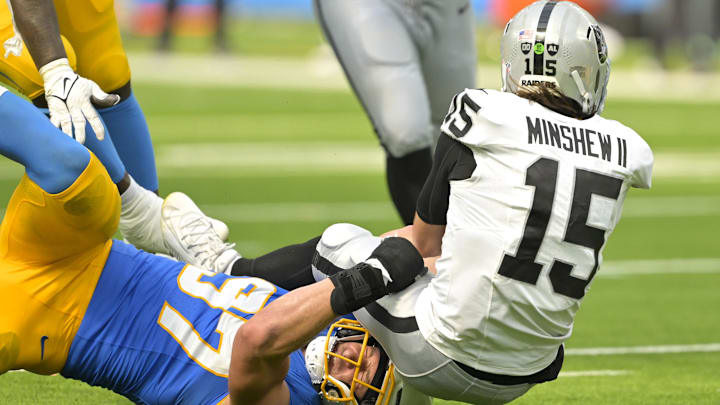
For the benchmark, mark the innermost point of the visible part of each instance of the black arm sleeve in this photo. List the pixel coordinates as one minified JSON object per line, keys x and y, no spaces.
{"x":453,"y":161}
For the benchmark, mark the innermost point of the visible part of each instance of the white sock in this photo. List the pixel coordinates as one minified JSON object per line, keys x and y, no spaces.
{"x":234,"y":256}
{"x":140,"y":218}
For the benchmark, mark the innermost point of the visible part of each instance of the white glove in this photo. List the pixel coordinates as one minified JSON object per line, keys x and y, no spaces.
{"x":69,"y":98}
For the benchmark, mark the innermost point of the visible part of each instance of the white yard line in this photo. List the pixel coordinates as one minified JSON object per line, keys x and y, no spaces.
{"x":243,"y":159}
{"x":306,"y":157}
{"x":351,"y":157}
{"x":594,"y":373}
{"x":659,"y":266}
{"x":303,"y":212}
{"x":690,"y":206}
{"x":664,"y":349}
{"x":321,"y":71}
{"x":278,"y":212}
{"x":360,"y":211}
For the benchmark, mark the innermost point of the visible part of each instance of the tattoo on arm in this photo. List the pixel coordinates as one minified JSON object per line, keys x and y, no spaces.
{"x":37,"y":22}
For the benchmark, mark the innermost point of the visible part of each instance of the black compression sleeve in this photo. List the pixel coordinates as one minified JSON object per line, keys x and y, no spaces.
{"x":289,"y":267}
{"x":453,"y":161}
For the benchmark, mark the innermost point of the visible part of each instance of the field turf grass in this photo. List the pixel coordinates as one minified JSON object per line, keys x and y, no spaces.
{"x":280,"y":166}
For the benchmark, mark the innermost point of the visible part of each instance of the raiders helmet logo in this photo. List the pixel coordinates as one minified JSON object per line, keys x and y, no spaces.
{"x":601,"y":44}
{"x":525,"y":47}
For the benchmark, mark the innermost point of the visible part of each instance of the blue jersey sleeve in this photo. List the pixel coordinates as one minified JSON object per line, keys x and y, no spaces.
{"x":298,"y":380}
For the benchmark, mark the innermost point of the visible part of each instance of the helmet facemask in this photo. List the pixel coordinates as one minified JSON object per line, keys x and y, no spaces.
{"x":383,"y":388}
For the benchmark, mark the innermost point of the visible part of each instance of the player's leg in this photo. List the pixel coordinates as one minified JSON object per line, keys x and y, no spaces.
{"x":20,"y":73}
{"x":382,"y":65}
{"x":62,"y":177}
{"x":391,"y":320}
{"x":165,"y":39}
{"x":138,"y":206}
{"x":290,"y":267}
{"x":54,"y":237}
{"x":131,"y":137}
{"x":221,"y":42}
{"x":51,"y":161}
{"x":449,"y":60}
{"x":92,"y":28}
{"x":340,"y":247}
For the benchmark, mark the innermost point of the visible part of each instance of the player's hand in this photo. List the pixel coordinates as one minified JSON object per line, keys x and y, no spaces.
{"x":400,"y":263}
{"x":392,"y":267}
{"x":70,"y":99}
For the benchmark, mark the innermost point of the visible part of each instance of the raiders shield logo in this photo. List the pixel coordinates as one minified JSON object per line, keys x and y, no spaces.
{"x":601,"y":44}
{"x":525,"y":47}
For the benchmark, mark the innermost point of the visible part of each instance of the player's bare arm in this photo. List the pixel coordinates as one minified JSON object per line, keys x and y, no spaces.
{"x":427,"y":238}
{"x":259,"y":364}
{"x":429,"y":235}
{"x":70,"y":98}
{"x":260,"y":353}
{"x":452,"y":162}
{"x":37,"y":21}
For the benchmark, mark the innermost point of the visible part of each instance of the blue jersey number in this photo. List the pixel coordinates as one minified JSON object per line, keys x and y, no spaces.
{"x":245,"y":295}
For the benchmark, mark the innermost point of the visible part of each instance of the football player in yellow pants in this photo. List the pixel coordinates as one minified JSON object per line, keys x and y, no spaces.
{"x":157,"y":330}
{"x":67,"y":56}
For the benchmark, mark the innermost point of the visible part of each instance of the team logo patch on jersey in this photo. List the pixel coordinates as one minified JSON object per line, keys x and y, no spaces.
{"x":527,"y":35}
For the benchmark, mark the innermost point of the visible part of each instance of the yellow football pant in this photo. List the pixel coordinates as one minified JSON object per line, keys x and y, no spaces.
{"x":91,"y":36}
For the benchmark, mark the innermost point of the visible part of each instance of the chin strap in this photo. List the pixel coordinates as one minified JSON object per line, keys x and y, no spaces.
{"x":587,"y":97}
{"x":505,"y":70}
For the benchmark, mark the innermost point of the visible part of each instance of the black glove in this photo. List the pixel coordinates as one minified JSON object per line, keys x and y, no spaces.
{"x":364,"y":283}
{"x":401,"y":260}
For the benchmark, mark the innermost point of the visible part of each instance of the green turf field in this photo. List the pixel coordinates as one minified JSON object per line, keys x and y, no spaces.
{"x":280,"y":166}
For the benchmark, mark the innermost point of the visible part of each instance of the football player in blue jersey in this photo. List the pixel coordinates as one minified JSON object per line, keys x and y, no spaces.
{"x":69,"y":55}
{"x":159,"y":331}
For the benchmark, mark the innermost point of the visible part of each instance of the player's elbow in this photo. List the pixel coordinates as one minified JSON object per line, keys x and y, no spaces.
{"x":254,"y":369}
{"x":257,"y":338}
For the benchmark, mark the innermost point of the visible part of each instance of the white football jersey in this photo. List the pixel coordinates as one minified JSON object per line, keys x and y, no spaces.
{"x":525,"y":231}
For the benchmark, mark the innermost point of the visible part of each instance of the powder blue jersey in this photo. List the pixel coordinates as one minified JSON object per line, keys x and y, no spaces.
{"x":161,"y":332}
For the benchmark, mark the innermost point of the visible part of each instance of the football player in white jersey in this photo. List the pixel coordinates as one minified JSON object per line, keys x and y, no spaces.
{"x":526,"y":187}
{"x":404,"y":59}
{"x":527,"y":184}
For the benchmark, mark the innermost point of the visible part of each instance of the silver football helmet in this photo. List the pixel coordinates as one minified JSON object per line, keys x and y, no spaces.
{"x":558,"y":43}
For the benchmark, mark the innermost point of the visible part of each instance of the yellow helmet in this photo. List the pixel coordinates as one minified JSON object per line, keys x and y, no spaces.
{"x":385,"y":387}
